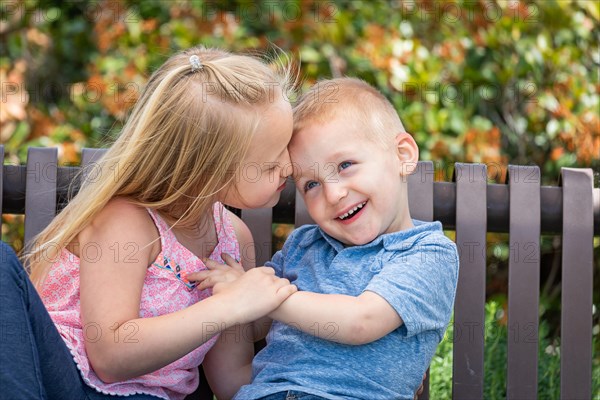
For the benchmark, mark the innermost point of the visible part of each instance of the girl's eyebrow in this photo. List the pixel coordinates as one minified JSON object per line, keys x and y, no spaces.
{"x":281,"y":152}
{"x":270,"y":164}
{"x":278,"y":156}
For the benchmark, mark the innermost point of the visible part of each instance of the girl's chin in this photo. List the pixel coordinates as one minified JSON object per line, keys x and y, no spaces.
{"x":246,"y":205}
{"x":272,"y":202}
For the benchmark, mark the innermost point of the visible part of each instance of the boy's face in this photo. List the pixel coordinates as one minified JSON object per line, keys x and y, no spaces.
{"x":352,"y":185}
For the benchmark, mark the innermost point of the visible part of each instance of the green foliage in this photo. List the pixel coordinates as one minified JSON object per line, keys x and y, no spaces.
{"x":494,"y":82}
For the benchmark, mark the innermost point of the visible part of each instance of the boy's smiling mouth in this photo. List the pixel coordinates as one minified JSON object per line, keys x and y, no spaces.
{"x":352,"y":213}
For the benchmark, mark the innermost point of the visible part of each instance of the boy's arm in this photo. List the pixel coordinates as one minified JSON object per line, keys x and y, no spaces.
{"x":228,"y":364}
{"x":415,"y":290}
{"x":339,"y":318}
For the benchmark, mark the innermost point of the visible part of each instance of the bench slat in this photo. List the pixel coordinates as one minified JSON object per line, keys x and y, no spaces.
{"x":469,"y":307}
{"x":420,"y":192}
{"x":89,"y":158}
{"x":577,"y":284}
{"x":260,"y":222}
{"x":40,"y":196}
{"x":420,"y":204}
{"x":523,"y":281}
{"x":301,"y":216}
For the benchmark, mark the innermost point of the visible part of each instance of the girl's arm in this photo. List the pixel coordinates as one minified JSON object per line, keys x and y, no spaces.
{"x":228,"y":365}
{"x":116,"y":249}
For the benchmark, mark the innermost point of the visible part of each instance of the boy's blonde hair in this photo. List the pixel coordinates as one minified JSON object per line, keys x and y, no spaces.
{"x":352,"y":99}
{"x":180,"y":147}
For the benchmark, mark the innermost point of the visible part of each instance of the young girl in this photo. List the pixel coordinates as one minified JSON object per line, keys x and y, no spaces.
{"x":118,"y":317}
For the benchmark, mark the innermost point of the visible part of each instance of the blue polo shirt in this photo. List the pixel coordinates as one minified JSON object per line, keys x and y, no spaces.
{"x":414,"y":270}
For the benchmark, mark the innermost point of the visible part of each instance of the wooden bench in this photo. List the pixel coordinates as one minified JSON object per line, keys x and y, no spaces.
{"x":468,"y":205}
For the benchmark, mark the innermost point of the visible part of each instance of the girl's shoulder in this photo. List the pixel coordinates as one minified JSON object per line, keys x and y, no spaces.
{"x":121,"y":220}
{"x":244,"y":238}
{"x":120,"y":211}
{"x":242,"y":232}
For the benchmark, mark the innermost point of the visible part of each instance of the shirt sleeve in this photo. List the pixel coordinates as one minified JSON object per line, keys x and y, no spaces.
{"x":420,"y":284}
{"x":291,"y":248}
{"x":277,"y":263}
{"x":278,"y":260}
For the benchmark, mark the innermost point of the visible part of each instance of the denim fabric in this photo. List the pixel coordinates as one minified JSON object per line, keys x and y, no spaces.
{"x":35,"y":363}
{"x":292,"y":395}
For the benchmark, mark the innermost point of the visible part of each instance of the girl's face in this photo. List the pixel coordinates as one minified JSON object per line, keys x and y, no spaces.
{"x":264,"y":170}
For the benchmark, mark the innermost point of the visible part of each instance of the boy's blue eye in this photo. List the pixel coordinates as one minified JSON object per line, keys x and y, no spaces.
{"x":309,"y":185}
{"x":344,"y":165}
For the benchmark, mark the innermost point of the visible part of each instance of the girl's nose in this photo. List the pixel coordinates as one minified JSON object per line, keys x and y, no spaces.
{"x":286,"y":164}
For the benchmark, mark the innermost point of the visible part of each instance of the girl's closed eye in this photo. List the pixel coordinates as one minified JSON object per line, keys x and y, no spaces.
{"x":309,"y":185}
{"x":270,"y":166}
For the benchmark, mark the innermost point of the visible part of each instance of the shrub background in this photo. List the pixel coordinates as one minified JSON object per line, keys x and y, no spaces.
{"x":492,"y":81}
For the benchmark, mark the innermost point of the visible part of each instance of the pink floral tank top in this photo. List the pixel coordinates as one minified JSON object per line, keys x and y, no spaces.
{"x":164,"y":292}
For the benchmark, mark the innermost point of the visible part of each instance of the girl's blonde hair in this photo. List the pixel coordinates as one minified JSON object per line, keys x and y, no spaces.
{"x":180,"y":147}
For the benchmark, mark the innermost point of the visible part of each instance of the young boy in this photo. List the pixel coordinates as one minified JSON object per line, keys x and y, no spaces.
{"x":375,"y":288}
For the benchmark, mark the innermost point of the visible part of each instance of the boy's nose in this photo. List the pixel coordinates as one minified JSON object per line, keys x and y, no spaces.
{"x":334,"y":192}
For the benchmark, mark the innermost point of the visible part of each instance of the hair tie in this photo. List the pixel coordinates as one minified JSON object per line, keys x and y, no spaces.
{"x":196,"y":63}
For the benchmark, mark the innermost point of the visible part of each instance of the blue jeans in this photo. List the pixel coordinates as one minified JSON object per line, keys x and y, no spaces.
{"x":35,"y":362}
{"x":291,"y":395}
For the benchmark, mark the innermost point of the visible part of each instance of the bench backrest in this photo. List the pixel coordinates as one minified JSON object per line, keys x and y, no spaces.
{"x":468,"y":205}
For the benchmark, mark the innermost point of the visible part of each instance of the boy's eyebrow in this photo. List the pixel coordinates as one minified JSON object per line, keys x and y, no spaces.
{"x":299,"y":172}
{"x":295,"y":175}
{"x":338,"y":155}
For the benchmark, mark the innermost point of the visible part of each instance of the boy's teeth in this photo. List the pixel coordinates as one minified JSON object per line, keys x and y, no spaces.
{"x":355,"y":209}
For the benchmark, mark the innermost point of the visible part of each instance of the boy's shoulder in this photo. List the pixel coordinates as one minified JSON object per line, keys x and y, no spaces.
{"x":309,"y":241}
{"x":304,"y":236}
{"x":426,"y":243}
{"x":421,"y":234}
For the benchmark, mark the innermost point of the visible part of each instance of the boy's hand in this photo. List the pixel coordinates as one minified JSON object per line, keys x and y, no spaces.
{"x":217,"y":273}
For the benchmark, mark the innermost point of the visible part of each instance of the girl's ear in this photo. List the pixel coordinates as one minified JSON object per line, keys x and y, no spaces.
{"x":408,"y":153}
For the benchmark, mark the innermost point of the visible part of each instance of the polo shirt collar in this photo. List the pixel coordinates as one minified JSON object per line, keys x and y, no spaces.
{"x":403,"y":240}
{"x":400,"y":240}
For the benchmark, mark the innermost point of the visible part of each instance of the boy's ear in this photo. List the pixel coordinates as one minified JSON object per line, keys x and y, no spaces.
{"x":408,"y":153}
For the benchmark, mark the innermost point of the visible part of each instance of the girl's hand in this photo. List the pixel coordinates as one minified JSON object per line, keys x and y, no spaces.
{"x":256,"y":293}
{"x":251,"y":295}
{"x":217,"y":273}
